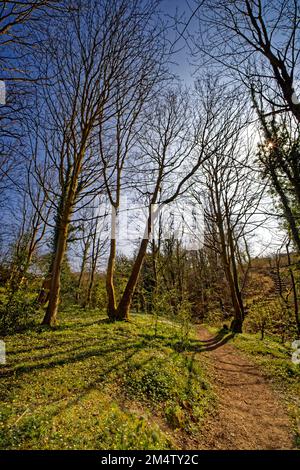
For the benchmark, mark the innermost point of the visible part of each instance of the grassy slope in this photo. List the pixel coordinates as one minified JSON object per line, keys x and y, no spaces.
{"x":274,"y":358}
{"x":94,"y":385}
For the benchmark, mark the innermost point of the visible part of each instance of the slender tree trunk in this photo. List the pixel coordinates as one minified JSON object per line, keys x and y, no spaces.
{"x":122,"y":312}
{"x":20,"y":277}
{"x":90,"y":289}
{"x":237,"y":323}
{"x":43,"y":296}
{"x":82,"y":269}
{"x":62,"y":229}
{"x":235,"y":276}
{"x":54,"y":294}
{"x":154,"y":256}
{"x":92,"y":276}
{"x":111,"y":306}
{"x":31,"y":249}
{"x":24,"y":271}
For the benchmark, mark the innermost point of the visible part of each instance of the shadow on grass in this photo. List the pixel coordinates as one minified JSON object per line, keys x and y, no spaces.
{"x":72,"y":358}
{"x":115,"y":357}
{"x":97,"y":347}
{"x":220,"y":339}
{"x":94,"y":384}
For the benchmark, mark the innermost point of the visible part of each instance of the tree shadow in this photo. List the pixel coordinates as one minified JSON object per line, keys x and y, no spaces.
{"x":74,"y":355}
{"x":220,"y":339}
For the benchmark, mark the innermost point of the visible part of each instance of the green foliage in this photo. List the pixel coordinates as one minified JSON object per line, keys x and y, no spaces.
{"x":177,"y":309}
{"x":17,"y":312}
{"x":215,"y":317}
{"x":271,"y":317}
{"x":29,"y":429}
{"x":68,"y":285}
{"x":124,"y":431}
{"x":173,"y":384}
{"x":184,"y":315}
{"x":276,"y":357}
{"x":260,"y":317}
{"x":154,"y":381}
{"x":175,"y":416}
{"x":100,"y":295}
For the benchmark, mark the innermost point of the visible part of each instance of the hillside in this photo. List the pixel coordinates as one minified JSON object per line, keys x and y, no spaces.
{"x":90,"y":384}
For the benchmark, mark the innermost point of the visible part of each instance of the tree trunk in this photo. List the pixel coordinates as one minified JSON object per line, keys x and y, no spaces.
{"x":90,"y":289}
{"x":61,"y":244}
{"x":111,"y":306}
{"x":92,"y":280}
{"x":240,"y":311}
{"x":288,"y":213}
{"x":20,"y":277}
{"x":237,"y":323}
{"x":82,"y":269}
{"x":122,"y":312}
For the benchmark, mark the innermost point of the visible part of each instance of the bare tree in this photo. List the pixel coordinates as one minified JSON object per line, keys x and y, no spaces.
{"x":30,"y":234}
{"x":172,"y":147}
{"x":278,"y":156}
{"x":15,"y":13}
{"x":258,"y":41}
{"x":98,"y":249}
{"x":144,"y":71}
{"x":92,"y":241}
{"x":18,"y":76}
{"x":231,"y":197}
{"x":96,"y":65}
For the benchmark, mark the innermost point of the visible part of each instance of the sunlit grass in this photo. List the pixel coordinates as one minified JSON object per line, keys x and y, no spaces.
{"x":90,"y":384}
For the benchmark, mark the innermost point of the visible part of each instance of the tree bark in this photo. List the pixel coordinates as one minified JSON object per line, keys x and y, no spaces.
{"x":55,"y":285}
{"x":237,"y":323}
{"x":110,"y":289}
{"x":82,"y":269}
{"x":122,"y":312}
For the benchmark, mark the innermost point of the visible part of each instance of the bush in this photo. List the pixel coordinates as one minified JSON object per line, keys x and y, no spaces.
{"x":179,"y":310}
{"x":271,"y":317}
{"x":17,"y":312}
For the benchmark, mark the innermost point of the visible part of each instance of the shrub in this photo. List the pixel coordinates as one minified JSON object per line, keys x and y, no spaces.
{"x":271,"y":317}
{"x":16,"y":313}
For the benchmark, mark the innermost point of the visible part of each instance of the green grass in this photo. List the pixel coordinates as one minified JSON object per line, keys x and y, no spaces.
{"x":274,"y":358}
{"x":90,"y":384}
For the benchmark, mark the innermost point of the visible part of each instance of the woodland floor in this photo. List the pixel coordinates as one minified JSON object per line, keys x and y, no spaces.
{"x":249,"y":415}
{"x":145,"y":384}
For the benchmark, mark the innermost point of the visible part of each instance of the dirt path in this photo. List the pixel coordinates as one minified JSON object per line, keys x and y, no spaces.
{"x":249,"y":415}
